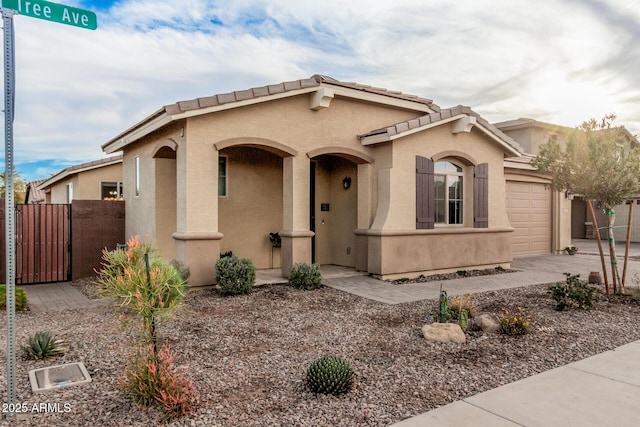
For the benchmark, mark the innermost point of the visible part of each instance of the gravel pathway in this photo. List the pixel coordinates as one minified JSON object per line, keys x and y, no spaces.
{"x":248,"y":355}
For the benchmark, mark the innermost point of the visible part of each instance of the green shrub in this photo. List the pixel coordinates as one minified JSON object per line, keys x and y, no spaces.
{"x":183,"y":270}
{"x":515,"y":322}
{"x":42,"y":345}
{"x":573,"y":293}
{"x":305,"y":276}
{"x":235,"y":276}
{"x":21,"y":298}
{"x":329,"y":375}
{"x":154,"y":379}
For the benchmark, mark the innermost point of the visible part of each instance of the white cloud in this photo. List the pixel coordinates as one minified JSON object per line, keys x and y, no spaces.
{"x":552,"y":60}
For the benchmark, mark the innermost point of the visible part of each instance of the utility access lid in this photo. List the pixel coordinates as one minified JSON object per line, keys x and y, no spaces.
{"x":54,"y":377}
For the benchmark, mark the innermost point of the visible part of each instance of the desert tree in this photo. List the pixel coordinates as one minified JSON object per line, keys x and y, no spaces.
{"x":598,"y":163}
{"x":19,"y":187}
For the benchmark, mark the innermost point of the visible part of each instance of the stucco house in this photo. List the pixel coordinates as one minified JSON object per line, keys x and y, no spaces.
{"x":96,"y":180}
{"x":567,"y":216}
{"x":347,"y":174}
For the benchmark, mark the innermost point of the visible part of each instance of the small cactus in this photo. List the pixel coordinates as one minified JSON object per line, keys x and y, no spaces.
{"x":330,"y":375}
{"x":42,"y":345}
{"x":463,"y":319}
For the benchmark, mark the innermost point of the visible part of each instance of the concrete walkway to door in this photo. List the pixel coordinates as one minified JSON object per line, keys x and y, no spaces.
{"x":57,"y":297}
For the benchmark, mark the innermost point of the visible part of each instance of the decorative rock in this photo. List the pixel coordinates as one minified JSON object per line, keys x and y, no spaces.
{"x":443,"y":332}
{"x":486,"y":322}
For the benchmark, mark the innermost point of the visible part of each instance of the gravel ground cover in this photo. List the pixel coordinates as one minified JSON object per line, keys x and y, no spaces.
{"x":248,"y":355}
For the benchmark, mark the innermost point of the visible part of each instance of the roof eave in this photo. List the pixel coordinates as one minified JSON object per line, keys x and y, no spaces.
{"x":69,"y":172}
{"x":174,"y":112}
{"x":386,"y":135}
{"x":144,"y":127}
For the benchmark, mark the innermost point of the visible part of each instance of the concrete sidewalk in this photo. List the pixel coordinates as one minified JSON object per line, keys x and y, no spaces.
{"x":599,"y":391}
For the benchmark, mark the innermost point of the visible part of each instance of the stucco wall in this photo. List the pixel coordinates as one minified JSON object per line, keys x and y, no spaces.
{"x":443,"y":250}
{"x":470,"y":148}
{"x":143,"y":209}
{"x":165,"y":202}
{"x":58,"y":192}
{"x":86,"y":185}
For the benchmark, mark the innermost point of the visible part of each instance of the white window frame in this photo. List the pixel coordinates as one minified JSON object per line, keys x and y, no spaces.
{"x":69,"y":192}
{"x":448,"y":179}
{"x":224,"y":174}
{"x":136,"y":167}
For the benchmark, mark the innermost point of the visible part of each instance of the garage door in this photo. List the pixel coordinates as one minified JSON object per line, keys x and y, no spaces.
{"x":529,"y":209}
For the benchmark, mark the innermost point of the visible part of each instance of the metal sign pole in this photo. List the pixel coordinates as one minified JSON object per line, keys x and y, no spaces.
{"x":9,"y":93}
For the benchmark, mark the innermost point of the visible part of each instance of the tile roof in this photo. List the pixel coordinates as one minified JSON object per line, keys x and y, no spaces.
{"x":440,"y":116}
{"x":314,"y":81}
{"x":168,"y":113}
{"x":34,"y":194}
{"x":71,"y":170}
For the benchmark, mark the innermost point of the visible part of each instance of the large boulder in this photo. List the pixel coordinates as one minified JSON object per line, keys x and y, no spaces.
{"x":443,"y":332}
{"x":486,"y":322}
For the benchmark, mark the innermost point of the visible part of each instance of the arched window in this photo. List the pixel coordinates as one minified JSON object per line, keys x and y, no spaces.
{"x":449,"y":190}
{"x":440,"y":194}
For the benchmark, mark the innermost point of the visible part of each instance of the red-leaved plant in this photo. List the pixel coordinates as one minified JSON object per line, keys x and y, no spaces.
{"x":153,"y":378}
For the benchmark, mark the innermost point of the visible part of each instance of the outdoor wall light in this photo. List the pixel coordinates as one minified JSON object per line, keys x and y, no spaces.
{"x":346,"y":183}
{"x":569,"y":195}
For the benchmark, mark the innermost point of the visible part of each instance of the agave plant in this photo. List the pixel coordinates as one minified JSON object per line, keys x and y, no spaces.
{"x":330,"y":375}
{"x":43,"y":345}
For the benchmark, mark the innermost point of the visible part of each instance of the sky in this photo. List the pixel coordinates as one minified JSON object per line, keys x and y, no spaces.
{"x":558,"y":61}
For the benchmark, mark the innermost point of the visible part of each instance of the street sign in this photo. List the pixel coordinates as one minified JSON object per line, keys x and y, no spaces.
{"x":54,"y":12}
{"x":48,"y":11}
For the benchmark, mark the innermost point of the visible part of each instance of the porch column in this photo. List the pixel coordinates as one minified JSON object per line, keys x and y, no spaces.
{"x":296,"y":236}
{"x":197,"y":238}
{"x":365,"y":214}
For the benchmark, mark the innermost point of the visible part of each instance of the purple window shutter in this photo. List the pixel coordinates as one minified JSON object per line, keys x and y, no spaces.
{"x":481,"y":196}
{"x":425,"y":218}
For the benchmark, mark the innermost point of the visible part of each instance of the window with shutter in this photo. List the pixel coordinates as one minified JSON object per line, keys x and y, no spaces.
{"x":424,"y":193}
{"x":481,"y":196}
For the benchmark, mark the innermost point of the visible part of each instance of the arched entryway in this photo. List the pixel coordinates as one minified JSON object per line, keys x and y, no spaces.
{"x":334,"y":205}
{"x":164,"y":156}
{"x":250,"y":202}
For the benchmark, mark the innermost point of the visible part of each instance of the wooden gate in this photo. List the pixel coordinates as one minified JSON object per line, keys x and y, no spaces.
{"x":42,"y":243}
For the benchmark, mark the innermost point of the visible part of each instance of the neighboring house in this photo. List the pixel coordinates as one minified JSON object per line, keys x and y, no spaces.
{"x":555,"y":217}
{"x":97,"y":180}
{"x":348,"y":174}
{"x":34,"y":195}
